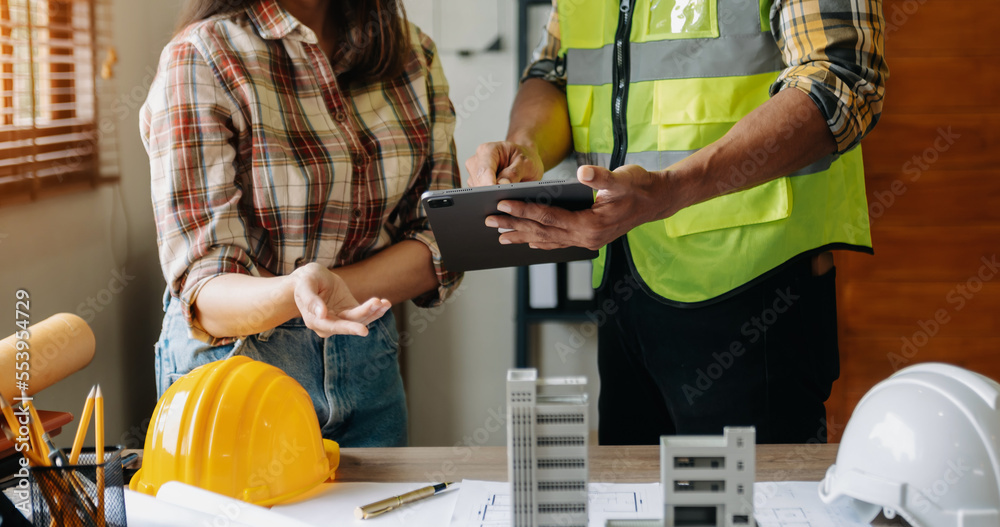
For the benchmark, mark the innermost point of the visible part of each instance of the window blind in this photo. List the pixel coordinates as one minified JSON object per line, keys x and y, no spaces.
{"x":52,"y":135}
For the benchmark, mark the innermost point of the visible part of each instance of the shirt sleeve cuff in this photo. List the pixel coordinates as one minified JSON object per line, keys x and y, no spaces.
{"x":448,"y":281}
{"x":546,"y":69}
{"x":840,"y":112}
{"x":195,"y":280}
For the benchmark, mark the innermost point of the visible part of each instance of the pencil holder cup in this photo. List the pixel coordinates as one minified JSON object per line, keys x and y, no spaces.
{"x":86,"y":494}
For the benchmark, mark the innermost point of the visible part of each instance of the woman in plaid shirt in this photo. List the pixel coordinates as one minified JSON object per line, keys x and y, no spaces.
{"x":289,"y":143}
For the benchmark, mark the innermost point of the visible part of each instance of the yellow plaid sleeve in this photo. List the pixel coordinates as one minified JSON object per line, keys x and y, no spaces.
{"x":835,"y":52}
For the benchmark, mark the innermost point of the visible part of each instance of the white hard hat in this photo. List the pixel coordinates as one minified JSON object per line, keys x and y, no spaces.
{"x":923,"y":443}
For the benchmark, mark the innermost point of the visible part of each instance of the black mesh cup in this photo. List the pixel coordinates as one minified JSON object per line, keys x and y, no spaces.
{"x":69,"y":496}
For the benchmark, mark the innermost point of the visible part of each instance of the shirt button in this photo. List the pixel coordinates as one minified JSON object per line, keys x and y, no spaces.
{"x":356,"y":213}
{"x":341,"y":117}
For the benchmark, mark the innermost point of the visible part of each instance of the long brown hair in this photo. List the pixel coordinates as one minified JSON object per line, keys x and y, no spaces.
{"x":374,"y":36}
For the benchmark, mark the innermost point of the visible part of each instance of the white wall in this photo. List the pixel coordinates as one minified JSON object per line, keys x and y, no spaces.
{"x":65,"y":250}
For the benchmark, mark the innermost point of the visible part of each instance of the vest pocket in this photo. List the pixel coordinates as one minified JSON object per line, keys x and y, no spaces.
{"x":765,"y":203}
{"x":679,"y":19}
{"x":709,"y":100}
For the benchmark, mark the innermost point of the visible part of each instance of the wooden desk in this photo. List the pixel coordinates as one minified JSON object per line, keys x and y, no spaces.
{"x":628,"y":464}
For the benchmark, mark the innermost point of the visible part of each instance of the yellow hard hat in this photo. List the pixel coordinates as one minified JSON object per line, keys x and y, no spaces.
{"x":238,"y":427}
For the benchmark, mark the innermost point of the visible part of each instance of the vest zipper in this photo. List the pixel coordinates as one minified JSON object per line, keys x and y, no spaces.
{"x":619,"y":88}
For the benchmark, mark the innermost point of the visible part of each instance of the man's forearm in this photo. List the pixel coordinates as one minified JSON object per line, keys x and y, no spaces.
{"x":539,"y":119}
{"x":784,"y":134}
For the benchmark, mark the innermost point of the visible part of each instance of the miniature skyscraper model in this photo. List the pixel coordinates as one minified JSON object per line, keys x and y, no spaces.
{"x":547,"y":449}
{"x":708,"y":480}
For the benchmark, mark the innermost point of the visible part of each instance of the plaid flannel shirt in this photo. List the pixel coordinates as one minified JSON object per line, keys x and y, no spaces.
{"x":260,"y":159}
{"x":833,"y":50}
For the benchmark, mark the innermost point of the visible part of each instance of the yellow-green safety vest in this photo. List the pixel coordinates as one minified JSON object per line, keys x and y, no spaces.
{"x":651,"y":81}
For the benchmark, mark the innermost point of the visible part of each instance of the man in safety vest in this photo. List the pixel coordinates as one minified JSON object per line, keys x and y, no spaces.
{"x":721,"y":137}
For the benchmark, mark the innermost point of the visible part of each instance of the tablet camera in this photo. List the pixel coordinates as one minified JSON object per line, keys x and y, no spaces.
{"x":438,"y":203}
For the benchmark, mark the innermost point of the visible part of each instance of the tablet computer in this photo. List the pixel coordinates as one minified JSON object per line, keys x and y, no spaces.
{"x":458,"y":217}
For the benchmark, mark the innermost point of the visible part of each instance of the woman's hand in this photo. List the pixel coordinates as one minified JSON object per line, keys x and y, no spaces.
{"x":327,"y":306}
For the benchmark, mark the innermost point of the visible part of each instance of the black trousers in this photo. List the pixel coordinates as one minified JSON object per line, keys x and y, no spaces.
{"x":766,"y":357}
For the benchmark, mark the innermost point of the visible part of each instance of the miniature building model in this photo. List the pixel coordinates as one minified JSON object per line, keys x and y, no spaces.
{"x":708,"y":480}
{"x":547,"y":449}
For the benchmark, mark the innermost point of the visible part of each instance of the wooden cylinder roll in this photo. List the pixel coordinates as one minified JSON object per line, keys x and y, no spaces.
{"x":54,"y":349}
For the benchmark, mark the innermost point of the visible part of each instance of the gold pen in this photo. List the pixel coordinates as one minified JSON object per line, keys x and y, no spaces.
{"x":374,"y":509}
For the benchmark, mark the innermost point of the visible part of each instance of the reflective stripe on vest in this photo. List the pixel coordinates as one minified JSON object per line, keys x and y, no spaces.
{"x":656,"y":160}
{"x":689,"y":59}
{"x":696,"y":67}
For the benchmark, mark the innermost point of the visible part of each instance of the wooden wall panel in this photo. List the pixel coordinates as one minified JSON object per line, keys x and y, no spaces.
{"x":934,"y":28}
{"x":914,"y":143}
{"x":885,"y":355}
{"x":933,"y":172}
{"x":925,"y":254}
{"x":955,"y":198}
{"x":928,"y":84}
{"x":886,"y":309}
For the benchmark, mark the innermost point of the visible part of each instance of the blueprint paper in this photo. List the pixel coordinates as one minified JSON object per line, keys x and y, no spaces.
{"x":333,"y":504}
{"x":797,"y":504}
{"x":487,"y":503}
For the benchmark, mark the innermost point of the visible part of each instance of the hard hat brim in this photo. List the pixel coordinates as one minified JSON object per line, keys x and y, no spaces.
{"x":332,"y":455}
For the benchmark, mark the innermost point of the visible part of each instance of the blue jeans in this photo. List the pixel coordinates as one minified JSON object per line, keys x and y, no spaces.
{"x":354,"y":382}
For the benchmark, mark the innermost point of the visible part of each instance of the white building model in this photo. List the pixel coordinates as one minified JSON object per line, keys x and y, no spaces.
{"x":547,"y":449}
{"x":708,"y":480}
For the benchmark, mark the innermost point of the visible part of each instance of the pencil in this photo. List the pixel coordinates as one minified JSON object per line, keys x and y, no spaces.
{"x":64,"y":489}
{"x":74,"y":488}
{"x":38,"y":431}
{"x":54,"y":498}
{"x":77,"y":491}
{"x":60,"y":486}
{"x":99,"y":447}
{"x":81,"y":428}
{"x":8,"y":414}
{"x":12,"y":437}
{"x":12,"y":423}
